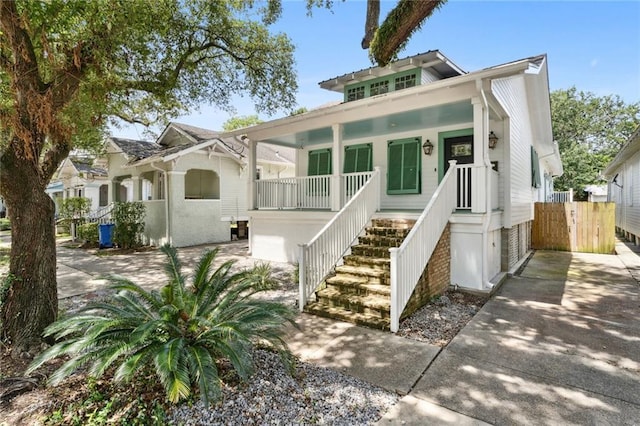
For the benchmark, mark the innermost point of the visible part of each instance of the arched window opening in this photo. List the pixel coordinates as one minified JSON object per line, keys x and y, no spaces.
{"x":201,"y":185}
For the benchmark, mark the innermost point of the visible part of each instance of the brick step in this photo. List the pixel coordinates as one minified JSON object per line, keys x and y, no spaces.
{"x":369,"y":274}
{"x":370,"y":262}
{"x":358,"y":286}
{"x":371,"y":321}
{"x":370,"y":304}
{"x":387,"y":232}
{"x":370,"y":251}
{"x":393,"y":223}
{"x":380,"y":241}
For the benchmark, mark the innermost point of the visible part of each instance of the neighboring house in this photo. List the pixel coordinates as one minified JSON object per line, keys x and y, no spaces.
{"x":193,"y":182}
{"x":393,"y":138}
{"x":623,"y":176}
{"x":596,"y":193}
{"x":80,"y":177}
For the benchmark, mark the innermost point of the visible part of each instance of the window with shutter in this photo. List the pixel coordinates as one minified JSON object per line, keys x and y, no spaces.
{"x":535,"y":169}
{"x":319,"y":162}
{"x":403,"y":165}
{"x":357,"y":158}
{"x":319,"y":165}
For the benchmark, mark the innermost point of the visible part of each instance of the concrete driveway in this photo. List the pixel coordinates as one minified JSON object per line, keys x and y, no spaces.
{"x":82,"y":271}
{"x":558,"y":345}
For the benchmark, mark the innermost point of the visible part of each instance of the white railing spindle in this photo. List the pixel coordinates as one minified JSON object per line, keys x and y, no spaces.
{"x":409,"y":260}
{"x":322,"y":253}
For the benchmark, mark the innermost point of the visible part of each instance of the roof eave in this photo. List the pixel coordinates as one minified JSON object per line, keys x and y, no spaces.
{"x":504,"y":70}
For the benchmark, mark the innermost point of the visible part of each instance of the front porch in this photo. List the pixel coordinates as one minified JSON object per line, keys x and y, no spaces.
{"x":333,"y":192}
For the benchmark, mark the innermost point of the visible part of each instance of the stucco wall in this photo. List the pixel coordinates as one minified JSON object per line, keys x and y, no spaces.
{"x":275,"y":235}
{"x":155,"y":222}
{"x":198,"y":222}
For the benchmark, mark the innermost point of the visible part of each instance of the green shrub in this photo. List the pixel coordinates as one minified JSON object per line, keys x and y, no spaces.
{"x":179,"y":333}
{"x":88,"y":232}
{"x":5,"y":224}
{"x":75,"y":208}
{"x":128,"y":218}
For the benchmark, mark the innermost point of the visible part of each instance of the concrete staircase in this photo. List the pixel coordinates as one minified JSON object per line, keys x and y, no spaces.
{"x":360,"y":291}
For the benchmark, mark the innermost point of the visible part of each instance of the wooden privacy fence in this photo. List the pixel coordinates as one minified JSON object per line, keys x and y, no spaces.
{"x":578,"y":226}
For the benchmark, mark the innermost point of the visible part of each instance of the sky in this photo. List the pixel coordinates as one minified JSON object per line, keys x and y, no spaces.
{"x":592,"y":45}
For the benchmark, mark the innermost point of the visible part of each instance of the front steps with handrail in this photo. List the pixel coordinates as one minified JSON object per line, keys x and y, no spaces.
{"x":360,"y":291}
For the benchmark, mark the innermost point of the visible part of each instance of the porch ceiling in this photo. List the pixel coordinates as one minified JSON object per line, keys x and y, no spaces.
{"x":434,"y":116}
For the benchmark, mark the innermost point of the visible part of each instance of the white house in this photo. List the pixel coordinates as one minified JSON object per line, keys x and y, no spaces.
{"x":385,"y":153}
{"x":80,"y":176}
{"x":623,"y":176}
{"x":193,"y":182}
{"x":596,"y":193}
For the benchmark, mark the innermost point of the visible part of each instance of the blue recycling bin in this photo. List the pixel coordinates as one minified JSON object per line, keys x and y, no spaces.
{"x":105,"y":230}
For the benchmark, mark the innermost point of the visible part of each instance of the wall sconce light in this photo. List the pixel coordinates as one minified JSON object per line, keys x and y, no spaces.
{"x":427,"y":147}
{"x":493,"y":140}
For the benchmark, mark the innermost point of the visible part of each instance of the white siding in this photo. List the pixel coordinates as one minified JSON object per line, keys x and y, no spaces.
{"x":511,"y":93}
{"x":428,"y":77}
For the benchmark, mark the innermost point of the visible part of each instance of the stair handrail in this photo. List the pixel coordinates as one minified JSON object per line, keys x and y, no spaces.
{"x":319,"y":256}
{"x":101,"y":214}
{"x":409,"y":260}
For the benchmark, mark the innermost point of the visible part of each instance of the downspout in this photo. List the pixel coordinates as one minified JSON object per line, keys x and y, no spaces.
{"x":487,"y":217}
{"x":167,"y":235}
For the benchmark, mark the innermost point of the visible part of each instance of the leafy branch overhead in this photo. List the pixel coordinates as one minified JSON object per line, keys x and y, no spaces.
{"x":384,"y":42}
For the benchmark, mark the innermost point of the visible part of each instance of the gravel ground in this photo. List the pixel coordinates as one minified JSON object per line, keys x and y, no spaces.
{"x":315,"y":395}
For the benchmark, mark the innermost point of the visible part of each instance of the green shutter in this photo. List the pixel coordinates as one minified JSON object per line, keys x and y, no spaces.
{"x":536,"y":182}
{"x":319,"y":162}
{"x":357,"y":158}
{"x":403,"y":165}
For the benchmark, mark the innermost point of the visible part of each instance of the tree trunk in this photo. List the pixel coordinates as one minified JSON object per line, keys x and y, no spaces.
{"x":31,"y":303}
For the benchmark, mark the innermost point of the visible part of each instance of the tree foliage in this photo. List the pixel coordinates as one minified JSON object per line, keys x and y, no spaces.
{"x":589,"y":130}
{"x":69,"y":68}
{"x":179,"y":333}
{"x":240,"y":122}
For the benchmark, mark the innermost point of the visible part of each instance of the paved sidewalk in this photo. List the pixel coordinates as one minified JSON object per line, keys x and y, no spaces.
{"x":559,"y":344}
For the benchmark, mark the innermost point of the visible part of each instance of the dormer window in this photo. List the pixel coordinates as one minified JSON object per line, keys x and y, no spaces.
{"x":379,"y":87}
{"x":405,"y":81}
{"x":355,"y":93}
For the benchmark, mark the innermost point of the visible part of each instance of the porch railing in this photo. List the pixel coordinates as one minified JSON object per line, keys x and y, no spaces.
{"x":351,"y":183}
{"x":561,"y":197}
{"x":308,"y":192}
{"x":101,"y":215}
{"x":409,"y":260}
{"x":463,"y":191}
{"x":323,"y":252}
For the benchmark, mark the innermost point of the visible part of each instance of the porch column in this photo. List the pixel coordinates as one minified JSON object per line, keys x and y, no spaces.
{"x":480,"y":141}
{"x":111,"y":188}
{"x":253,"y":167}
{"x":175,"y":202}
{"x":336,"y":186}
{"x":137,"y":189}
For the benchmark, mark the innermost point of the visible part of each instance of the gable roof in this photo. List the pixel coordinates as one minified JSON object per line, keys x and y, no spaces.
{"x":432,"y":60}
{"x":135,"y":149}
{"x":84,"y":167}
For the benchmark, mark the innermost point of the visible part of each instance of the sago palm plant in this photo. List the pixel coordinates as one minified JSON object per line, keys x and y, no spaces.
{"x":179,"y":332}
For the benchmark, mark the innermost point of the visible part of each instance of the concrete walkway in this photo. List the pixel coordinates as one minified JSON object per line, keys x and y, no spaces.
{"x":559,"y":344}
